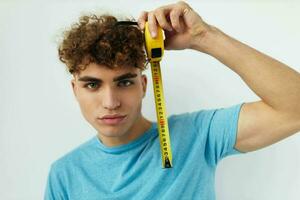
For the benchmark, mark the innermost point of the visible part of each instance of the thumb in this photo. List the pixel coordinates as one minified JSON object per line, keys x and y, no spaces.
{"x":175,"y":42}
{"x":169,"y":37}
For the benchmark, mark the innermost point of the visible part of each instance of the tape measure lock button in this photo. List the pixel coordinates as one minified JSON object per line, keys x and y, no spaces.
{"x":156,"y":53}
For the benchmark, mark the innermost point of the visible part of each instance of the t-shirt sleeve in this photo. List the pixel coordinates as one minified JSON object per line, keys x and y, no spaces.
{"x":54,"y":188}
{"x":218,"y":128}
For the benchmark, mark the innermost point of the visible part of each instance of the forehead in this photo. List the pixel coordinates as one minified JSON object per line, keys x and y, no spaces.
{"x":103,"y":72}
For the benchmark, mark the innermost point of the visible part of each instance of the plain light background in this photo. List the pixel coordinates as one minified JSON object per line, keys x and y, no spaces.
{"x":41,"y":121}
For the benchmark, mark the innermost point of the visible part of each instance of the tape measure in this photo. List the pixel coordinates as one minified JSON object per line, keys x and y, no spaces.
{"x":155,"y":51}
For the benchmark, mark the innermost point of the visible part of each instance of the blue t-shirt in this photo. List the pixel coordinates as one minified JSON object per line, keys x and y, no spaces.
{"x":199,"y":140}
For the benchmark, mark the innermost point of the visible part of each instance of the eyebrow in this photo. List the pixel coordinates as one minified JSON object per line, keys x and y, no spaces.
{"x":118,"y":78}
{"x":125,"y":76}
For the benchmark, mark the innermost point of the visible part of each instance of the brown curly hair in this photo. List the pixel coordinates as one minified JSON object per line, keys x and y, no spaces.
{"x":99,"y":40}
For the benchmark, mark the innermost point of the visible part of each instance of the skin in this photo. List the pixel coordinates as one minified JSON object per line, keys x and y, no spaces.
{"x":261,"y":123}
{"x":108,"y":97}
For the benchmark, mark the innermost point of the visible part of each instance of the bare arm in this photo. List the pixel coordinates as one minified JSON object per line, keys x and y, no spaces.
{"x":277,"y":114}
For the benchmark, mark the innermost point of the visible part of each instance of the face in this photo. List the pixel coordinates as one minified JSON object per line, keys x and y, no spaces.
{"x":111,"y":100}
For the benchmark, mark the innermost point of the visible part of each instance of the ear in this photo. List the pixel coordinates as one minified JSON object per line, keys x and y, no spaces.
{"x":144,"y":83}
{"x":74,"y":87}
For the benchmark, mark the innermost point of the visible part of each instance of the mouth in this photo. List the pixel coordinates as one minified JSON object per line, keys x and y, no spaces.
{"x":112,"y":120}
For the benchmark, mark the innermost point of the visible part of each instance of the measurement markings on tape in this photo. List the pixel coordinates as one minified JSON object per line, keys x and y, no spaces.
{"x":155,"y":50}
{"x":161,"y":115}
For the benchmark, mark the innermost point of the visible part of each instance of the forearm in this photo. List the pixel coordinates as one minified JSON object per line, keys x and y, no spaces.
{"x":274,"y":82}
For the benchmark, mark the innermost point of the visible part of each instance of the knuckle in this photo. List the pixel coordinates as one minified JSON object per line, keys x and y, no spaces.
{"x":174,"y":15}
{"x":164,"y":24}
{"x":143,"y":14}
{"x":156,"y":11}
{"x":150,"y":15}
{"x":182,"y":3}
{"x":160,"y":15}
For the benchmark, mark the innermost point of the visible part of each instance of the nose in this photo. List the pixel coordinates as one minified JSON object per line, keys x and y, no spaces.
{"x":110,"y":99}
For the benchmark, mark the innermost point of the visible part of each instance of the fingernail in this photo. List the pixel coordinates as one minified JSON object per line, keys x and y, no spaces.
{"x":141,"y":25}
{"x":153,"y":34}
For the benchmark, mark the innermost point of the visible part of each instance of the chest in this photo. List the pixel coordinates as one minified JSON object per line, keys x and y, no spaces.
{"x":139,"y":175}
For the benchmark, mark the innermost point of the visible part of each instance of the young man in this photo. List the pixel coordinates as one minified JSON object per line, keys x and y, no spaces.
{"x":123,"y":160}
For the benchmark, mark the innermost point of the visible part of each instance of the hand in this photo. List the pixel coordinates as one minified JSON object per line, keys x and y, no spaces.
{"x":183,"y":27}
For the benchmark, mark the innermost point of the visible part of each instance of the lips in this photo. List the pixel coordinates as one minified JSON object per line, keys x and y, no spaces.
{"x":112,"y":119}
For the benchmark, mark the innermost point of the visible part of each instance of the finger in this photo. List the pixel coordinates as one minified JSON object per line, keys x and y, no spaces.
{"x":142,"y":19}
{"x":162,"y":20}
{"x":168,"y":40}
{"x":174,"y":17}
{"x":152,"y":23}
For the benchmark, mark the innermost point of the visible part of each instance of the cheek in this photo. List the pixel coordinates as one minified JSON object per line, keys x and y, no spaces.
{"x":87,"y":103}
{"x":132,"y":100}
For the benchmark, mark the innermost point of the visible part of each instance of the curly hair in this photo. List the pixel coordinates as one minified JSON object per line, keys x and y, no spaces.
{"x":97,"y":39}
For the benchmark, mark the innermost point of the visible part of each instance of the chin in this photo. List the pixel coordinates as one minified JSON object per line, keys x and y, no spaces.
{"x":112,"y":131}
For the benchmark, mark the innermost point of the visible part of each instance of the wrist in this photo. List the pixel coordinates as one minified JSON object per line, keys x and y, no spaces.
{"x":205,"y":40}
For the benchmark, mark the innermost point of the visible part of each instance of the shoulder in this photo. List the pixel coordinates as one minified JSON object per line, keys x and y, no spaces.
{"x":189,"y":122}
{"x":73,"y":155}
{"x":204,"y":117}
{"x":191,"y":116}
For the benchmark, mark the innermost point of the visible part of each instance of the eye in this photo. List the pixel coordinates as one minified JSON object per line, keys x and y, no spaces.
{"x":91,"y":85}
{"x":125,"y":83}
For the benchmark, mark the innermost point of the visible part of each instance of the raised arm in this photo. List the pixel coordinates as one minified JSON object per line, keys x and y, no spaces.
{"x":262,"y":123}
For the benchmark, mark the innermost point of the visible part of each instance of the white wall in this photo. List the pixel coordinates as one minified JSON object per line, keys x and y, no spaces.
{"x":40,"y":120}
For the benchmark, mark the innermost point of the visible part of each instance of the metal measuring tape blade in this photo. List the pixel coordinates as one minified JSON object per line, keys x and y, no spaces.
{"x":155,"y":50}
